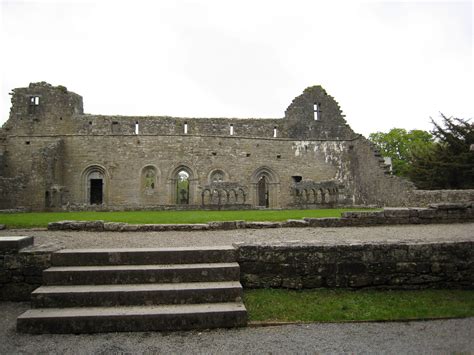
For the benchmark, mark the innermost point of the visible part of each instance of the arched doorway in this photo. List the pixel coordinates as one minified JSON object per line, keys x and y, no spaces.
{"x":265,"y":188}
{"x":95,"y":185}
{"x":262,"y":192}
{"x":96,"y":188}
{"x":182,"y":187}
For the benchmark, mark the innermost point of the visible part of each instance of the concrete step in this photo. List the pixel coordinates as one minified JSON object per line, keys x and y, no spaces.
{"x":136,"y":294}
{"x":139,"y":274}
{"x":148,"y":256}
{"x":136,"y":318}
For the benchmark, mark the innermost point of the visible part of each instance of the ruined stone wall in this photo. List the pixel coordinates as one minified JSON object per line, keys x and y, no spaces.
{"x":427,"y":197}
{"x":391,"y":266}
{"x":53,"y":156}
{"x":372,"y":182}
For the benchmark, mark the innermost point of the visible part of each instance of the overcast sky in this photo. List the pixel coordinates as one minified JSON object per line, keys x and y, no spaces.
{"x":388,"y":64}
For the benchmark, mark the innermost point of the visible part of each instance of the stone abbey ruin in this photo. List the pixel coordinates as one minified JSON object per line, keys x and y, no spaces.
{"x":54,"y":156}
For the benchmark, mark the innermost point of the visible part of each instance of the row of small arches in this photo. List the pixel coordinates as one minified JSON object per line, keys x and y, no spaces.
{"x":318,"y":196}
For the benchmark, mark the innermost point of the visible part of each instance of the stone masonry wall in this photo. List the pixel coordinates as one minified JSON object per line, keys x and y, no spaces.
{"x":21,"y":273}
{"x":390,"y":266}
{"x":50,"y":151}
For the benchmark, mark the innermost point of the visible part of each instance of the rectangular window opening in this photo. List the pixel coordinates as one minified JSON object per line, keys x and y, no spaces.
{"x":33,"y":103}
{"x":317,"y":111}
{"x":185,"y":128}
{"x":231,"y":129}
{"x":274,"y":132}
{"x":297,"y":178}
{"x":136,"y":128}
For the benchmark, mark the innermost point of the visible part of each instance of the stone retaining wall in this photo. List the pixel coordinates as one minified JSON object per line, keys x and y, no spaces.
{"x":21,"y":273}
{"x":390,"y":266}
{"x":297,"y":266}
{"x":436,"y":213}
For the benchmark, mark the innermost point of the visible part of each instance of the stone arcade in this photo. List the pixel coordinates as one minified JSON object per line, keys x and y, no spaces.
{"x":54,"y":156}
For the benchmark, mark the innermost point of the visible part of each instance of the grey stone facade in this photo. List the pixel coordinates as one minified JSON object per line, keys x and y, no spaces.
{"x":53,"y":156}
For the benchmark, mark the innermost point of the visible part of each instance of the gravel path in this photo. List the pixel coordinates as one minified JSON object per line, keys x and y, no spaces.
{"x":383,"y":234}
{"x":441,"y":336}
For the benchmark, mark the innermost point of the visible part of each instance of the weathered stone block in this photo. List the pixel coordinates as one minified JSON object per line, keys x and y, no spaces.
{"x":351,"y":268}
{"x":295,"y":223}
{"x":396,"y":212}
{"x":360,"y":281}
{"x":405,"y":267}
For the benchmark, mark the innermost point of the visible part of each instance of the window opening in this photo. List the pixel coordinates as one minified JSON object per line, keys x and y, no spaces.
{"x":231,"y":129}
{"x":182,"y":188}
{"x":217,"y":176}
{"x":274,"y":132}
{"x":185,"y":128}
{"x":33,"y":104}
{"x":262,"y":192}
{"x":297,"y":178}
{"x":317,"y":111}
{"x":136,"y":127}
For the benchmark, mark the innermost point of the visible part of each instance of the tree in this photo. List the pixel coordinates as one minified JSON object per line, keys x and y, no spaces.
{"x":450,"y":165}
{"x":401,"y":146}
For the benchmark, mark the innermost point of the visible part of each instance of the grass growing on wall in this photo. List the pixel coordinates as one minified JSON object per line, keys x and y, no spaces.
{"x":41,"y":219}
{"x":326,"y":305}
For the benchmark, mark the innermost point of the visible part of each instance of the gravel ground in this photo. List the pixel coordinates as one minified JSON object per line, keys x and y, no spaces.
{"x":384,"y":234}
{"x":441,"y":336}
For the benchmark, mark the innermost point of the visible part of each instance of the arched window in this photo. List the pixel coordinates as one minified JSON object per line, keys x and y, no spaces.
{"x":217,"y":176}
{"x":182,"y":187}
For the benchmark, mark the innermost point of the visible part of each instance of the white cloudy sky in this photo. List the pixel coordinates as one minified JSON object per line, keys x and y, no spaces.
{"x":388,"y":64}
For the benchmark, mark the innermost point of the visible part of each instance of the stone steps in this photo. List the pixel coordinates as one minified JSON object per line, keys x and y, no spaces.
{"x":96,"y":290}
{"x":122,"y":274}
{"x":132,"y":319}
{"x":136,"y":294}
{"x":144,"y":256}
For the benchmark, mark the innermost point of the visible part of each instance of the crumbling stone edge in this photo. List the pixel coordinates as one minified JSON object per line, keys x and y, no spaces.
{"x":435,"y":213}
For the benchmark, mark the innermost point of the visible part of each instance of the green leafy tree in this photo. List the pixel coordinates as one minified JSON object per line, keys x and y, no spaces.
{"x":401,"y":146}
{"x":450,"y":165}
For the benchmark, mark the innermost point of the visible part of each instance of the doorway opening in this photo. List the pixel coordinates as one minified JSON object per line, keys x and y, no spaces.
{"x":262,"y":192}
{"x":96,"y":191}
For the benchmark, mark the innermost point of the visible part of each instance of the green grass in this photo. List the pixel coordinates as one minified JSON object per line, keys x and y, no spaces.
{"x":41,"y":219}
{"x":326,"y":305}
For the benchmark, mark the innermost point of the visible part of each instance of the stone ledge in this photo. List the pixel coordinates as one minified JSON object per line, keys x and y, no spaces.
{"x":15,"y":244}
{"x":439,"y":213}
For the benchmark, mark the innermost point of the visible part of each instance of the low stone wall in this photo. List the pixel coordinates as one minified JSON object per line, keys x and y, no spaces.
{"x":394,"y":266}
{"x":21,"y":273}
{"x":436,"y":213}
{"x":389,"y":266}
{"x":427,"y":197}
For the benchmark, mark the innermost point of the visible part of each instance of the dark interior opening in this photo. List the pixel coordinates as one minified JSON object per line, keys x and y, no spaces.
{"x":297,"y":178}
{"x":96,"y":191}
{"x":262,"y":192}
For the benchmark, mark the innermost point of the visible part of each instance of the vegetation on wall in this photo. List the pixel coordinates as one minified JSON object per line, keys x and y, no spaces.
{"x":400,"y":145}
{"x":440,"y":159}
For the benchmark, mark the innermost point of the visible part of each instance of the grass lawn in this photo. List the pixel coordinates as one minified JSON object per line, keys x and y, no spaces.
{"x":41,"y":219}
{"x":326,"y":305}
